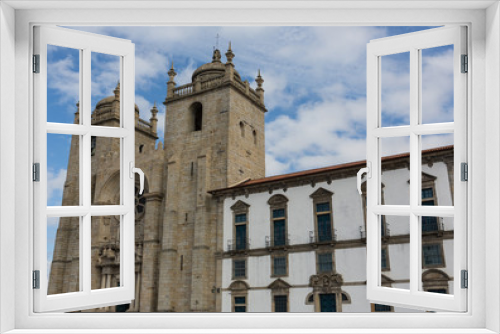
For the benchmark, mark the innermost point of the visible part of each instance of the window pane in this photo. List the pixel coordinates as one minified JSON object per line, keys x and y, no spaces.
{"x":280,"y":304}
{"x":324,"y":227}
{"x":240,"y":218}
{"x":382,"y":308}
{"x":437,"y":84}
{"x":395,"y":89}
{"x":395,"y":171}
{"x":105,"y":234}
{"x":437,"y":169}
{"x":395,"y":253}
{"x":63,"y":84}
{"x":105,"y":90}
{"x":239,"y":268}
{"x":63,"y":254}
{"x":278,"y":213}
{"x":105,"y":162}
{"x":322,"y":207}
{"x":241,"y":236}
{"x":328,"y":302}
{"x":279,"y":266}
{"x":63,"y":170}
{"x":437,"y":255}
{"x":279,"y":233}
{"x":325,"y":264}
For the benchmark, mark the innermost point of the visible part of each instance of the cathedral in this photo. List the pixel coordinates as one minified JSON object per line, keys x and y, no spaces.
{"x":176,"y":227}
{"x":213,"y":234}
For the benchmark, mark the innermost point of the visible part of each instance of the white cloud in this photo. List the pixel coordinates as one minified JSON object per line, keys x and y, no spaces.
{"x":184,"y":74}
{"x":62,"y":78}
{"x":55,"y":185}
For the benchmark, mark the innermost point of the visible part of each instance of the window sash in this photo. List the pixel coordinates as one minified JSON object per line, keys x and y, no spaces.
{"x":415,"y":297}
{"x":86,"y":44}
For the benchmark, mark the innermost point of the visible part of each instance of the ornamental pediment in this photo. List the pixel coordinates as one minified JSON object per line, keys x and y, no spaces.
{"x":277,"y":200}
{"x":238,"y":285}
{"x":321,"y":192}
{"x":279,"y":284}
{"x":240,"y":206}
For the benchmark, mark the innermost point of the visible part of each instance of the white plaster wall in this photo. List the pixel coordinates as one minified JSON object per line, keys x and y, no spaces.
{"x":351,"y":264}
{"x":348,"y":214}
{"x":398,"y":225}
{"x":399,"y":262}
{"x":226,"y":301}
{"x":301,"y":267}
{"x":259,"y":301}
{"x":297,"y":300}
{"x":397,"y":188}
{"x":359,"y":303}
{"x":259,"y":271}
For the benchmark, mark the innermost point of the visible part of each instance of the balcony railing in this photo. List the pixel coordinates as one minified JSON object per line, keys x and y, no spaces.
{"x":277,"y":242}
{"x":238,"y":244}
{"x":323,"y":237}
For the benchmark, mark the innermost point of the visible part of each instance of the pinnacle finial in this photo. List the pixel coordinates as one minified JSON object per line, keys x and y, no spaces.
{"x":171,"y":73}
{"x":259,"y":80}
{"x":229,"y":54}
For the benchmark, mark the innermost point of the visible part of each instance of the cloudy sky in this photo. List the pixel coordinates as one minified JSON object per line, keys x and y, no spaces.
{"x":315,"y":86}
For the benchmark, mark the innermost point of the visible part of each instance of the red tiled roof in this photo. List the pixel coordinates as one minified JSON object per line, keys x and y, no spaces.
{"x":361,"y":163}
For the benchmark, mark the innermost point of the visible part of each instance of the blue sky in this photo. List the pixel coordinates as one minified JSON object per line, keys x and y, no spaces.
{"x":315,"y":86}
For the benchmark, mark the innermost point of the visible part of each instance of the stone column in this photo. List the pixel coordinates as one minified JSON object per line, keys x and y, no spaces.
{"x":148,"y":287}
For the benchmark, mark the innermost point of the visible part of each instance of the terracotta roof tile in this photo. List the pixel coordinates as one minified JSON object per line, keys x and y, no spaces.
{"x":360,"y":163}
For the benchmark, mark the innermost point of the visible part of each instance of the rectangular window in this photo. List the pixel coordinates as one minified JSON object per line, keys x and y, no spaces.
{"x":328,"y":302}
{"x":279,"y":233}
{"x":384,"y":258}
{"x":240,"y":218}
{"x":279,"y":267}
{"x":382,"y":308}
{"x":240,"y":304}
{"x":239,"y":267}
{"x":280,"y":303}
{"x":324,"y":227}
{"x":241,"y":236}
{"x":432,"y":255}
{"x":325,"y":263}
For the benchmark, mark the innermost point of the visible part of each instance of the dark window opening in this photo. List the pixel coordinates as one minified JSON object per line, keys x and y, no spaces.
{"x":141,"y":147}
{"x":328,"y":302}
{"x":92,"y":145}
{"x":197,"y":116}
{"x":280,"y":303}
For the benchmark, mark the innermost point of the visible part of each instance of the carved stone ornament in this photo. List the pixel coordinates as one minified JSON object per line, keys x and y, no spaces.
{"x":326,"y":281}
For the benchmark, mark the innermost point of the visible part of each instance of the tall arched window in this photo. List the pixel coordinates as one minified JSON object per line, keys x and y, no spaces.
{"x":196,"y":111}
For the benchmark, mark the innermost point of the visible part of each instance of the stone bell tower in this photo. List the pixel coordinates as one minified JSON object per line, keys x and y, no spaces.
{"x":214,"y":138}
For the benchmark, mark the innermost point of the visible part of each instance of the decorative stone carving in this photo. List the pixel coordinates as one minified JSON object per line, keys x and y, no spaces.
{"x":277,"y":200}
{"x":240,"y":206}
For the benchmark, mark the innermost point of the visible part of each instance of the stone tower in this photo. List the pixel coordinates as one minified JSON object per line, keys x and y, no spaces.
{"x":214,"y":138}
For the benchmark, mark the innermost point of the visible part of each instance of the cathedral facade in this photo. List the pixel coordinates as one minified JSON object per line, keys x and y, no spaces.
{"x":177,"y":230}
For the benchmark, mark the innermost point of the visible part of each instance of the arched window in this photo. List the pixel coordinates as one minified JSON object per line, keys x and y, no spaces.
{"x":254,"y":137}
{"x":141,"y":147}
{"x":196,"y":110}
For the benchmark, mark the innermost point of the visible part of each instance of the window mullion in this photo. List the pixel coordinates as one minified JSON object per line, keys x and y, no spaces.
{"x":85,"y":170}
{"x":414,"y":168}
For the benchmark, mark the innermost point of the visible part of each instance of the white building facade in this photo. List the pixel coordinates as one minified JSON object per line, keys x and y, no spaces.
{"x":297,"y":242}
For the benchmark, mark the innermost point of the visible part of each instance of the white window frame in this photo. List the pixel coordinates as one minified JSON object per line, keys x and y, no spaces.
{"x":413,"y":43}
{"x":483,"y":20}
{"x":85,"y":43}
